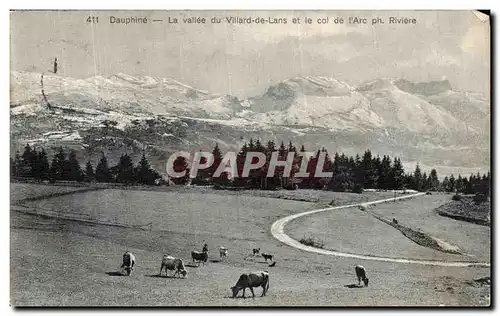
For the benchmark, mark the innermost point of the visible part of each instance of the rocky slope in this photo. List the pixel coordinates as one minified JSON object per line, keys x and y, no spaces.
{"x":425,"y":122}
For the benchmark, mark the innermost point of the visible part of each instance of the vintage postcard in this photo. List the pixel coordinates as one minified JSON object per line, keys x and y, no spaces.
{"x":250,"y":158}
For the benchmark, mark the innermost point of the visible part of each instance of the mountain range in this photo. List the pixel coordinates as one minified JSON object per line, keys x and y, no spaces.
{"x":427,"y":123}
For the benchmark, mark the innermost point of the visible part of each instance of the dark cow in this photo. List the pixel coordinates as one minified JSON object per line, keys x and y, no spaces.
{"x":256,"y":251}
{"x":267,"y":256}
{"x":175,"y":264}
{"x":251,"y":280}
{"x":128,"y":262}
{"x":361,"y":274}
{"x":199,"y":256}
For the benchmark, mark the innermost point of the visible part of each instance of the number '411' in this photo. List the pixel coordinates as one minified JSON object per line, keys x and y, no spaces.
{"x":93,"y":19}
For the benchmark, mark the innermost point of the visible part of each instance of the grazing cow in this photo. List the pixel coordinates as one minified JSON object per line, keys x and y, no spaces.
{"x":273,"y":264}
{"x":256,"y":251}
{"x":223,"y":252}
{"x":128,"y":262}
{"x":361,"y":274}
{"x":267,"y":256}
{"x":394,"y":221}
{"x":251,"y":280}
{"x":171,"y":263}
{"x":199,"y":256}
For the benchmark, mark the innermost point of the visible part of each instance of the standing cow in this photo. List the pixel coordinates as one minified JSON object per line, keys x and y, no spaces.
{"x":199,"y":256}
{"x":128,"y":263}
{"x":222,"y":251}
{"x":251,"y":280}
{"x":175,"y":264}
{"x":361,"y":274}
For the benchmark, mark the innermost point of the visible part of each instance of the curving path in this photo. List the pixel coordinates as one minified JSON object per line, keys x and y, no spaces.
{"x":277,"y":230}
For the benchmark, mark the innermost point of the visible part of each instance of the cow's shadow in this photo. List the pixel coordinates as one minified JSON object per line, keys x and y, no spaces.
{"x":243,"y":298}
{"x":354,"y":286}
{"x":161,"y":276}
{"x":115,"y":273}
{"x":215,"y":260}
{"x":192,"y":265}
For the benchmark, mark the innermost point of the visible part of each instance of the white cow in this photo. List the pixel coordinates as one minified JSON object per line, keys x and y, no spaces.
{"x":171,"y":263}
{"x":222,"y":251}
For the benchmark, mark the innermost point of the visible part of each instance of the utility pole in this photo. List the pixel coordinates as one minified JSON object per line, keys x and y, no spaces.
{"x":55,"y":65}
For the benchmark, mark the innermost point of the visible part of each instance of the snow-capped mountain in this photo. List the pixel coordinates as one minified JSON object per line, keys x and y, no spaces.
{"x":122,"y":93}
{"x":425,"y":122}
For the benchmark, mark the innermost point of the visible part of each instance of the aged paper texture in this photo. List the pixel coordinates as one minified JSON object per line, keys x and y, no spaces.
{"x":250,"y":158}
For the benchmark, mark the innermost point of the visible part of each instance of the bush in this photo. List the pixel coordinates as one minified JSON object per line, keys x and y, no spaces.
{"x":457,"y":197}
{"x":480,"y":198}
{"x":357,"y":189}
{"x":309,"y":241}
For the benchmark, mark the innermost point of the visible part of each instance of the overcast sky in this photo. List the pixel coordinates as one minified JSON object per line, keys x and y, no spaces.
{"x":245,"y":59}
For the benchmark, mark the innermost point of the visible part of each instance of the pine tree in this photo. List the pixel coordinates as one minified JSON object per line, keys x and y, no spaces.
{"x":425,"y":182}
{"x":102,"y":173}
{"x":459,"y":184}
{"x":125,"y":170}
{"x":216,"y":152}
{"x":144,"y":174}
{"x":28,"y":160}
{"x":203,"y":175}
{"x":377,"y":171}
{"x":433,"y":181}
{"x":291,"y":147}
{"x":384,"y":180}
{"x":397,"y":175}
{"x":180,"y":164}
{"x":240,"y":162}
{"x":89,"y":172}
{"x":417,"y":179}
{"x":42,"y":167}
{"x":251,"y":145}
{"x":367,"y":163}
{"x":358,"y":170}
{"x":73,"y":171}
{"x":452,"y":184}
{"x":18,"y":163}
{"x":57,"y":168}
{"x":33,"y":164}
{"x":445,"y":185}
{"x":271,"y":147}
{"x":342,"y":180}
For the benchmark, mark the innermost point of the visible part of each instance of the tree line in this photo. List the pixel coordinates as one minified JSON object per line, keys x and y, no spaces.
{"x":34,"y":164}
{"x":349,"y":173}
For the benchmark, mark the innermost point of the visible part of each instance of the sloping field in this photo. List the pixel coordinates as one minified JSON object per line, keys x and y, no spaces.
{"x":26,"y":191}
{"x":61,"y":262}
{"x":353,"y":231}
{"x":472,"y":239}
